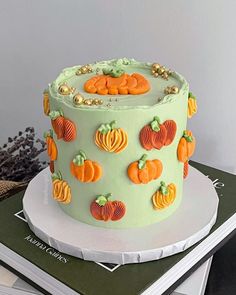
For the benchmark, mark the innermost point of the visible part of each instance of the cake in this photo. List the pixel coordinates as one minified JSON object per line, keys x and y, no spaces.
{"x":119,"y":144}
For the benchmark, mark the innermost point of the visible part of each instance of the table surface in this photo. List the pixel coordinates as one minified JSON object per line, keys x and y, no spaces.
{"x":222,"y":277}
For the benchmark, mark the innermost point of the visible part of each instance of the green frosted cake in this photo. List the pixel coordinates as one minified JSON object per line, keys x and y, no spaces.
{"x":118,"y":144}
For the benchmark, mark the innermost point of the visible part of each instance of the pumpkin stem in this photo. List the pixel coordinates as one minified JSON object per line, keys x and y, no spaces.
{"x":190,"y":95}
{"x":54,"y":114}
{"x":56,"y":175}
{"x":48,"y":133}
{"x":104,"y":128}
{"x":163,"y":188}
{"x":102,"y":199}
{"x":112,"y":124}
{"x":114,"y":72}
{"x":155,"y":124}
{"x":188,"y":138}
{"x":142,"y":161}
{"x":80,"y":158}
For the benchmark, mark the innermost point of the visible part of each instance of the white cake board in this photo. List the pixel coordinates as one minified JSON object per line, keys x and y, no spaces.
{"x":190,"y":223}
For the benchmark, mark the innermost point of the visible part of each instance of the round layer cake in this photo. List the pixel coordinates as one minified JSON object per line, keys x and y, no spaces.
{"x":118,"y":144}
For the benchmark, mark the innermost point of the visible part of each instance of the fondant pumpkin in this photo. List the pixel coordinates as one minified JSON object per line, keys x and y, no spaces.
{"x":164,"y":196}
{"x":119,"y":210}
{"x":156,"y":135}
{"x":51,"y":145}
{"x":64,"y":128}
{"x":57,"y":121}
{"x":192,"y":105}
{"x":61,"y":190}
{"x":111,"y":139}
{"x":171,"y":128}
{"x":124,"y":84}
{"x":46,"y":107}
{"x":85,"y":170}
{"x":69,"y":130}
{"x":104,"y":209}
{"x":186,"y":168}
{"x":186,"y":146}
{"x":144,"y":170}
{"x":51,"y":166}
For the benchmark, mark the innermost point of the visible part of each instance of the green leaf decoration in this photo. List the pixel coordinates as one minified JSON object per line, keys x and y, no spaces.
{"x":142,"y":161}
{"x":104,"y":128}
{"x":80,"y":158}
{"x":102,"y":199}
{"x":155,"y":124}
{"x":56,"y":175}
{"x":187,"y":137}
{"x":48,"y":133}
{"x":163,"y":188}
{"x":114,"y":72}
{"x":54,"y":114}
{"x":190,"y":95}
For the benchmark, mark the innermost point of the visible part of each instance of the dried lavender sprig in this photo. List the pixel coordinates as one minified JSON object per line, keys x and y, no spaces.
{"x":19,"y":157}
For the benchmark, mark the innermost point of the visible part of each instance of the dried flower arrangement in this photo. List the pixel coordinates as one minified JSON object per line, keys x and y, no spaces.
{"x":19,"y":159}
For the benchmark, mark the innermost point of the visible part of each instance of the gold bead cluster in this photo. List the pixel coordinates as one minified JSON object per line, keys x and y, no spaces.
{"x":160,"y":71}
{"x":65,"y":89}
{"x":84,"y":70}
{"x":171,"y":90}
{"x":78,"y":99}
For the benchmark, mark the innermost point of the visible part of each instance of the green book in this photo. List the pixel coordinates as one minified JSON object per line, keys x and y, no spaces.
{"x":58,"y":273}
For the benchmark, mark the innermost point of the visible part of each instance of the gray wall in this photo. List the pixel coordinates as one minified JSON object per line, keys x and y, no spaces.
{"x":197,"y":38}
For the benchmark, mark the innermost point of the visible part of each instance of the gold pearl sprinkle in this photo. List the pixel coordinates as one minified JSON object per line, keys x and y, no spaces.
{"x":174,"y":89}
{"x":167,"y":90}
{"x":88,"y":102}
{"x":165,"y":76}
{"x":171,"y":90}
{"x":78,"y":99}
{"x":64,"y":89}
{"x":155,"y":66}
{"x":84,"y":70}
{"x":160,"y":71}
{"x":100,"y":101}
{"x":95,"y":101}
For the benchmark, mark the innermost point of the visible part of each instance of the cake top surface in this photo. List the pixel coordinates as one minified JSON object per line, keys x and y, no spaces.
{"x":117,"y":84}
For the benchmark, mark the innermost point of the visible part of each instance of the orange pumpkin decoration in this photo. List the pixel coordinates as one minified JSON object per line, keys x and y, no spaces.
{"x":186,"y":146}
{"x":111,"y":139}
{"x":85,"y":170}
{"x":144,"y":170}
{"x":123,"y":84}
{"x":186,"y":168}
{"x":51,"y":145}
{"x":61,"y":189}
{"x":51,"y":166}
{"x":58,"y":123}
{"x":64,"y":128}
{"x":192,"y":105}
{"x":164,"y":196}
{"x":104,"y":209}
{"x":46,"y":107}
{"x":156,"y":135}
